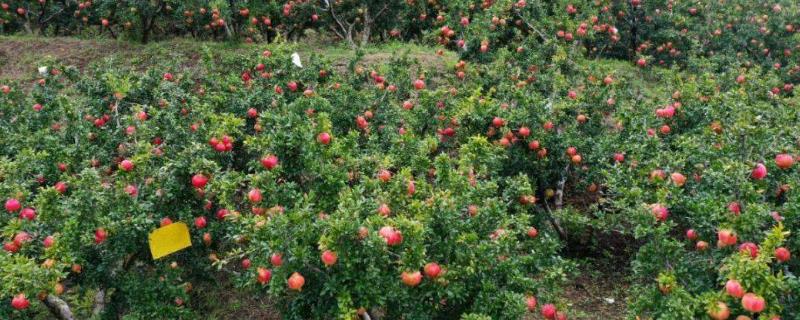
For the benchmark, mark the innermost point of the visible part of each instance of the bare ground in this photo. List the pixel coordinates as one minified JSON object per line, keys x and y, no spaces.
{"x":20,"y":56}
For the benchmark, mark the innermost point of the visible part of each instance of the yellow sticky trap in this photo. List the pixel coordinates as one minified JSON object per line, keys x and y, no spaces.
{"x":169,"y":239}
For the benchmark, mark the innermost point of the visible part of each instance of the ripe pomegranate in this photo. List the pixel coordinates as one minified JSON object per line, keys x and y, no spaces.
{"x":498,"y":122}
{"x":131,"y":190}
{"x":719,"y":311}
{"x":22,"y":238}
{"x":530,"y":302}
{"x":254,"y":195}
{"x":13,"y":205}
{"x":27,"y":214}
{"x":735,"y":208}
{"x":572,"y":95}
{"x":48,"y":241}
{"x":263,"y":275}
{"x":666,"y":113}
{"x":221,"y":213}
{"x":549,"y":311}
{"x":200,"y":222}
{"x":10,"y":247}
{"x":432,"y":270}
{"x":384,"y":210}
{"x":296,"y":282}
{"x":324,"y":138}
{"x":749,"y":248}
{"x":269,"y":162}
{"x":199,"y":181}
{"x":571,"y":151}
{"x":391,"y":235}
{"x":165,"y":221}
{"x":126,"y":165}
{"x":361,"y":122}
{"x":20,"y":302}
{"x":328,"y":258}
{"x":660,"y":212}
{"x":472,"y":210}
{"x":419,"y":84}
{"x":678,"y":179}
{"x":759,"y":172}
{"x":784,"y":161}
{"x":726,"y":238}
{"x":411,"y":279}
{"x":524,"y":132}
{"x":782,"y":254}
{"x":532,"y":232}
{"x":691,"y":234}
{"x":753,"y":303}
{"x":734,"y":289}
{"x":252,"y":113}
{"x":384,"y":175}
{"x":60,"y":187}
{"x":276,"y":259}
{"x":100,"y":235}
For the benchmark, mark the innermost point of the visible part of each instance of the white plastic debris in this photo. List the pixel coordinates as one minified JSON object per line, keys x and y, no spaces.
{"x":296,"y":60}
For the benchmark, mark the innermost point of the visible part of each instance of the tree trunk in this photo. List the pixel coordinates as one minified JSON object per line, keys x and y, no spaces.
{"x":40,"y":24}
{"x":59,"y":308}
{"x":633,"y":23}
{"x":27,"y":24}
{"x":149,"y":23}
{"x":99,"y":302}
{"x":145,"y":29}
{"x":228,"y":31}
{"x":365,"y":34}
{"x":234,"y":18}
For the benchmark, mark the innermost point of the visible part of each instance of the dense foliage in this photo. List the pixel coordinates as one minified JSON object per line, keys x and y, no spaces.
{"x":400,"y":190}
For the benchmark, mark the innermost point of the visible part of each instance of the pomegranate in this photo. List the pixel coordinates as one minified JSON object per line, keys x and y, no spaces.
{"x":296,"y":281}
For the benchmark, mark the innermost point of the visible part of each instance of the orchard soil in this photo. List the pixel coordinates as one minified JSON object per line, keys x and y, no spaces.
{"x":598,"y":292}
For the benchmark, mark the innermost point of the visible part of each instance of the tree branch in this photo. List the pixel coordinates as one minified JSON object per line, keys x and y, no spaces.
{"x":530,"y":26}
{"x":347,"y":32}
{"x":380,"y":12}
{"x":559,"y":202}
{"x":51,"y":17}
{"x":336,"y":31}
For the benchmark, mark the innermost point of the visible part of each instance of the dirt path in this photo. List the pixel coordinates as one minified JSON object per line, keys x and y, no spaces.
{"x":20,"y":56}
